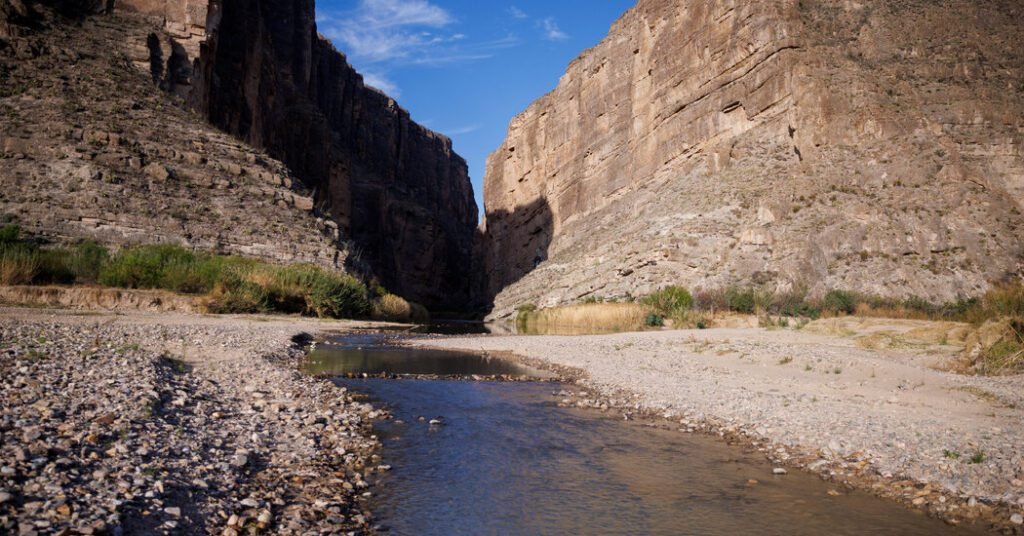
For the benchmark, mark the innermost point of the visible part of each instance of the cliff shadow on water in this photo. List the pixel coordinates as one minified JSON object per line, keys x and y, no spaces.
{"x":511,"y":245}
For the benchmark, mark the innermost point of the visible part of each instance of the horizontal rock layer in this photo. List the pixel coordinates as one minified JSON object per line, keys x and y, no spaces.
{"x":797,"y":144}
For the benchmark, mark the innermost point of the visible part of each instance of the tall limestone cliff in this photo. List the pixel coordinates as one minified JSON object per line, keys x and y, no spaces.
{"x":816,"y":144}
{"x":260,"y":71}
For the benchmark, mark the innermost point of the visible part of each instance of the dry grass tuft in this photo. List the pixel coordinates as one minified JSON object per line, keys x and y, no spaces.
{"x":587,"y":318}
{"x":392,"y":308}
{"x":18,"y":267}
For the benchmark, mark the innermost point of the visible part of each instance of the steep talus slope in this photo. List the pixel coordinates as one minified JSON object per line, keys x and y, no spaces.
{"x":260,"y":71}
{"x":815,"y":144}
{"x":90,"y":148}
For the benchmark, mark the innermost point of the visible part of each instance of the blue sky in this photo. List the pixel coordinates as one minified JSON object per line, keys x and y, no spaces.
{"x":466,"y":67}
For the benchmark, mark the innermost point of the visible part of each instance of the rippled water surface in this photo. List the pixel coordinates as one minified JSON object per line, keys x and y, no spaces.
{"x":507,"y":460}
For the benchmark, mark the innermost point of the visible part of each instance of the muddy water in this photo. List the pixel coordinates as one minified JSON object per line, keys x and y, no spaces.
{"x":508,"y":460}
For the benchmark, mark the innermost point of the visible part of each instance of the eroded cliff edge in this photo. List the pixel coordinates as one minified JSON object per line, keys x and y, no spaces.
{"x":816,"y":144}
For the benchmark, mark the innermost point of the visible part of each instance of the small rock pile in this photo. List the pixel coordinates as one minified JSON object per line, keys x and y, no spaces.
{"x":124,"y":428}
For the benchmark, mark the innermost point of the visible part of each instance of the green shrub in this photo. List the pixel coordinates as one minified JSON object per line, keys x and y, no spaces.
{"x":9,"y":234}
{"x":53,"y":267}
{"x":338,"y":296}
{"x":235,"y":295}
{"x":670,"y":301}
{"x":654,"y":321}
{"x":157,"y":266}
{"x":839,"y":302}
{"x":86,"y":261}
{"x":794,"y":304}
{"x":921,"y":305}
{"x":740,"y":300}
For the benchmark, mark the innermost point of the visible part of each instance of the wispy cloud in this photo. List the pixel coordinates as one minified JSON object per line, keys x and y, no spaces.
{"x":461,"y":130}
{"x":385,"y":30}
{"x":380,"y":35}
{"x":551,"y":30}
{"x":382,"y":83}
{"x":517,"y":13}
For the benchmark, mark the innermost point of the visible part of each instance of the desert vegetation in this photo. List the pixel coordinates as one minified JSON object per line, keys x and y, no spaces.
{"x":228,"y":284}
{"x":995,"y":347}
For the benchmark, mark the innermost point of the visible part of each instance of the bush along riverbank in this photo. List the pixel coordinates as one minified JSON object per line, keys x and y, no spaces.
{"x":995,"y":346}
{"x":228,"y":284}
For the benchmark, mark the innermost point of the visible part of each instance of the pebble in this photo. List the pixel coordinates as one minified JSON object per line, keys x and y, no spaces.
{"x":779,"y":471}
{"x":1017,"y":519}
{"x":173,"y":511}
{"x":4,"y":497}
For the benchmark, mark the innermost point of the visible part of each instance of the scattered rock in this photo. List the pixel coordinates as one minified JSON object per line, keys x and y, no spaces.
{"x":55,"y":400}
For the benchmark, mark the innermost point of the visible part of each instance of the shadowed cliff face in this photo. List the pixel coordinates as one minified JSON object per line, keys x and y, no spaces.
{"x":261,"y":72}
{"x":507,"y":253}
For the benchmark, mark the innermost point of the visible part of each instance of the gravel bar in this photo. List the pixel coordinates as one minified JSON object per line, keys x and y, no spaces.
{"x":161,"y":424}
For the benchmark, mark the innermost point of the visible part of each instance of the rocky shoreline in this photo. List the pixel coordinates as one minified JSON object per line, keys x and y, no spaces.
{"x":174,"y":424}
{"x":945,"y":445}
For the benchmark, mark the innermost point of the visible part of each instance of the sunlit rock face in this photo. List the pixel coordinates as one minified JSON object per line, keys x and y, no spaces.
{"x":810,"y":144}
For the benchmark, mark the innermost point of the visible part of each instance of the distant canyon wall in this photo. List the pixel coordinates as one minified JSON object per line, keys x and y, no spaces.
{"x":810,"y":144}
{"x":260,"y":71}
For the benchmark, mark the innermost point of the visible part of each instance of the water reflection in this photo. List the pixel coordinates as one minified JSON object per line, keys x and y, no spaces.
{"x":370,"y":355}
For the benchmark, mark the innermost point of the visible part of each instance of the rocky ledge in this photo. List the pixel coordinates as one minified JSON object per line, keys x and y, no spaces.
{"x":192,"y":425}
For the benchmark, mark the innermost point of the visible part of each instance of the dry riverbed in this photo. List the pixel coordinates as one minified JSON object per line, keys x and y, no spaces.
{"x":864,"y":404}
{"x":165,"y":423}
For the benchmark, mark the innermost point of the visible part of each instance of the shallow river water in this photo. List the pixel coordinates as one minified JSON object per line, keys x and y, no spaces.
{"x":508,"y":460}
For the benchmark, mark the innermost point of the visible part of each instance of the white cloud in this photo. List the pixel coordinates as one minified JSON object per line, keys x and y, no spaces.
{"x":382,"y":83}
{"x":461,"y":130}
{"x":381,"y":35}
{"x":551,"y":30}
{"x":387,"y":30}
{"x":517,"y":13}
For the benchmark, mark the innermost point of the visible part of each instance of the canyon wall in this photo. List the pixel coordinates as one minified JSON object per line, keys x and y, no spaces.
{"x":260,"y":71}
{"x":811,"y":144}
